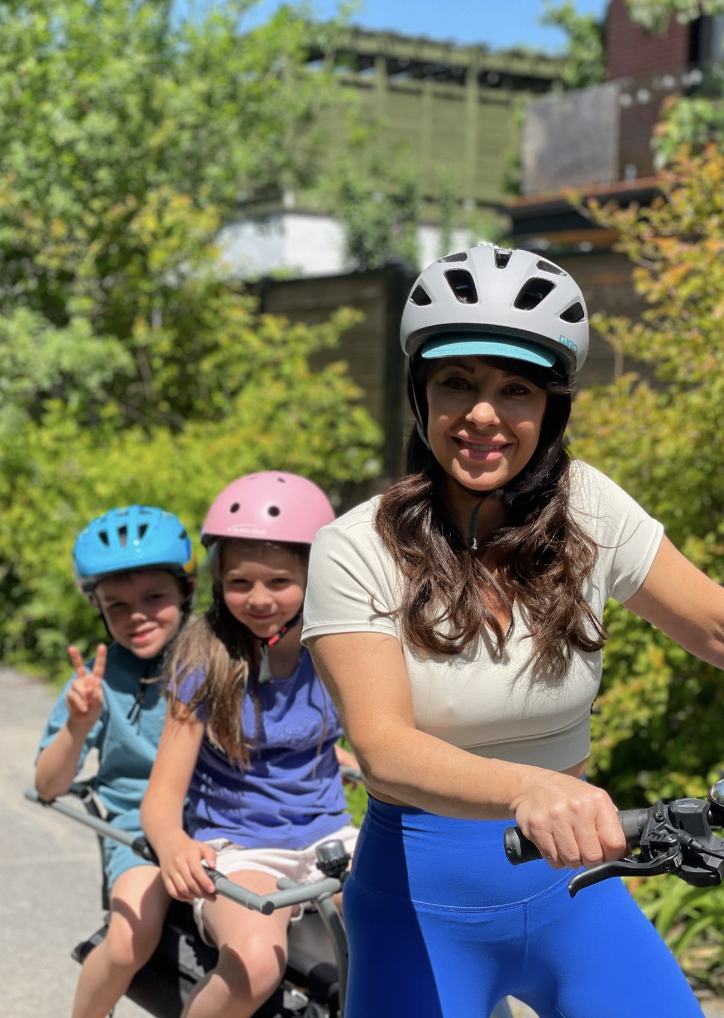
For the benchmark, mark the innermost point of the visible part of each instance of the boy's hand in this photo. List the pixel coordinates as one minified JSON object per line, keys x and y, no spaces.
{"x":84,"y":698}
{"x":182,"y":869}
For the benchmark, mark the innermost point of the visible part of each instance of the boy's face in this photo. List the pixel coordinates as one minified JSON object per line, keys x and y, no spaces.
{"x":143,"y":609}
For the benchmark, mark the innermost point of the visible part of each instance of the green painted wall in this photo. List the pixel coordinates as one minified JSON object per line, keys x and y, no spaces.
{"x":453,"y":107}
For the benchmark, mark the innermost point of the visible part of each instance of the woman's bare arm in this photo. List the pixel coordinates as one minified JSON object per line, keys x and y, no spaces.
{"x":367,"y":678}
{"x":684,"y":603}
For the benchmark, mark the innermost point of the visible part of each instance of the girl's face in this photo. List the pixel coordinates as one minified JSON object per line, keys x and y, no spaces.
{"x":263,"y":587}
{"x":484,"y":422}
{"x":143,"y":610}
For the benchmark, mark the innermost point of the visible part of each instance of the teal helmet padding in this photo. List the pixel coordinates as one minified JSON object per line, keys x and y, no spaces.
{"x":130,"y":538}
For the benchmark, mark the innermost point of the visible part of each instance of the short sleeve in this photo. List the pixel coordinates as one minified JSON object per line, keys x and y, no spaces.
{"x":627,"y":537}
{"x":58,"y":717}
{"x":351,"y":586}
{"x":186,"y":690}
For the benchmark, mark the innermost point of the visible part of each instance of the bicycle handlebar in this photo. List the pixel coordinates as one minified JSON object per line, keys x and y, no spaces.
{"x":520,"y":849}
{"x":672,"y":837}
{"x":264,"y":903}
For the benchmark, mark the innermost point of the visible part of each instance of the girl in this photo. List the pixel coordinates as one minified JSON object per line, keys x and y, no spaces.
{"x":137,"y":567}
{"x":250,"y":739}
{"x":457,"y":621}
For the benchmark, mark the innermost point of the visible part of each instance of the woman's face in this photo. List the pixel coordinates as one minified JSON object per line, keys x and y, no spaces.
{"x":483,"y":421}
{"x":263,"y":587}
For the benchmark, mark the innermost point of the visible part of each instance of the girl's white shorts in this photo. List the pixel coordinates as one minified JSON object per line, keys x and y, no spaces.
{"x":297,"y":864}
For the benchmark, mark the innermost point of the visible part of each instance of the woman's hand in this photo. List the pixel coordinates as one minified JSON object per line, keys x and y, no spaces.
{"x":184,"y":876}
{"x":84,"y":698}
{"x":573,"y":823}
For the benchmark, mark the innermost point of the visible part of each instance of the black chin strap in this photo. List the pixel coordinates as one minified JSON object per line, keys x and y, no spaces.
{"x":507,"y":495}
{"x":472,"y":529}
{"x":265,"y":674}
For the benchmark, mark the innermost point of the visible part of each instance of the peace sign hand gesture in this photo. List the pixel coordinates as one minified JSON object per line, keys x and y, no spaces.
{"x":84,"y":698}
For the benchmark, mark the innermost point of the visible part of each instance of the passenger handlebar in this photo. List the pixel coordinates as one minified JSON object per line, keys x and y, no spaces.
{"x":334,"y":863}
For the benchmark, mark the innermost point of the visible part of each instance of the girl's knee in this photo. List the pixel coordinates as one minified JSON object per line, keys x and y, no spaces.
{"x":253,"y":968}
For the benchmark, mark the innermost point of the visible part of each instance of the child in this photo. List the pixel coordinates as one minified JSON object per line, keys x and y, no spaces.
{"x":250,"y":738}
{"x":137,"y":567}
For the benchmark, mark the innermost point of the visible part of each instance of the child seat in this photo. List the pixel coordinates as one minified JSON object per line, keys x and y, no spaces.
{"x":310,"y":988}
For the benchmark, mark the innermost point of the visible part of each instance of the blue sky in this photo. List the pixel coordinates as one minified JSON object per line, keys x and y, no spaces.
{"x":498,"y":23}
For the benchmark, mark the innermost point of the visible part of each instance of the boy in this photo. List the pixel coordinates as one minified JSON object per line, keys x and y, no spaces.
{"x":136,"y":566}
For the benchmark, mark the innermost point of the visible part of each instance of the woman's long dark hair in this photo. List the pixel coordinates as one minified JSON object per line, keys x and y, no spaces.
{"x":538,"y":559}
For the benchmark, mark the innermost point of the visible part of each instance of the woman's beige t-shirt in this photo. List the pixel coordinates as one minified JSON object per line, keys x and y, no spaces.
{"x":488,"y":705}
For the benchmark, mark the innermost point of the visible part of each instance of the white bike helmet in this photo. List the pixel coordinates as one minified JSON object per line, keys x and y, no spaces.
{"x":491,"y":301}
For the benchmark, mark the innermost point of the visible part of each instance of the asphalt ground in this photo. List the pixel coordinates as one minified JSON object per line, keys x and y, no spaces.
{"x":50,"y":870}
{"x":51,"y":873}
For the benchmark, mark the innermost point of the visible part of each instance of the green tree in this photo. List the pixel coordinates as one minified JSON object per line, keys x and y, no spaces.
{"x":656,"y":14}
{"x":658,"y":726}
{"x":130,"y":369}
{"x":127,"y":140}
{"x":585,"y":62}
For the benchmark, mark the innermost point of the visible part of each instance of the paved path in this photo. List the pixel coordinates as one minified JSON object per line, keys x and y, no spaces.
{"x":50,"y":871}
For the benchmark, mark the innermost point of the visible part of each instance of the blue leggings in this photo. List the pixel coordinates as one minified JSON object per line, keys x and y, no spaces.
{"x":441,"y":925}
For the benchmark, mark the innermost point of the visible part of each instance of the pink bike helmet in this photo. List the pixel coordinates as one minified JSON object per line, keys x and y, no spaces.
{"x":268,"y":506}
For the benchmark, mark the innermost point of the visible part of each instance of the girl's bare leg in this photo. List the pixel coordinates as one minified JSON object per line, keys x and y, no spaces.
{"x":252,"y":954}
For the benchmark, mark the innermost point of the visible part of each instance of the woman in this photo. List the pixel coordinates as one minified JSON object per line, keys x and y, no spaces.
{"x":457,"y":622}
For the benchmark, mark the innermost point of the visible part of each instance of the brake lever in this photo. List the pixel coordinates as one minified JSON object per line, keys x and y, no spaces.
{"x":663,"y":862}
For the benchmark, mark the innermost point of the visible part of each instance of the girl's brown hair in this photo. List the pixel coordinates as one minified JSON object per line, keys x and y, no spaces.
{"x":538,"y":559}
{"x":222,"y":651}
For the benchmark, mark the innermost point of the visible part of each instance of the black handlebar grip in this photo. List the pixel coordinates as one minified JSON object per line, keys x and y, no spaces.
{"x":520,"y":849}
{"x":633,"y":822}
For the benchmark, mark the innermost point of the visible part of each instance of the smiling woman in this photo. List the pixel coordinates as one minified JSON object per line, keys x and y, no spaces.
{"x":457,"y":622}
{"x":484,"y":419}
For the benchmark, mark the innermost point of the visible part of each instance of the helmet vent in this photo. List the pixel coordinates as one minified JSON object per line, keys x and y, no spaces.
{"x":420,"y":297}
{"x":532,"y":293}
{"x":123,"y":535}
{"x":143,"y":527}
{"x":545,"y":266}
{"x":502,"y":257}
{"x":273,"y":510}
{"x":459,"y":256}
{"x":234,"y":507}
{"x":183,"y":535}
{"x":575,"y":313}
{"x":462,"y":285}
{"x":103,"y":534}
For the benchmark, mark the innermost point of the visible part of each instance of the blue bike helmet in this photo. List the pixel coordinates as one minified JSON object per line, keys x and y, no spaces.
{"x":136,"y":537}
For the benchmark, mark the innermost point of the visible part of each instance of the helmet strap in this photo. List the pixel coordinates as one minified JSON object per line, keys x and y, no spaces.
{"x":473,"y":526}
{"x":265,"y":674}
{"x":507,"y":494}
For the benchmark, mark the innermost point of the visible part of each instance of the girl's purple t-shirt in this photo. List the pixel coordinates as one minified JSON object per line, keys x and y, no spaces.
{"x":291,"y":795}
